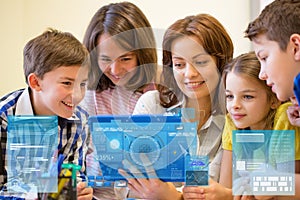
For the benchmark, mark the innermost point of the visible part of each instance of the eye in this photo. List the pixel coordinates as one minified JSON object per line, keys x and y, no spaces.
{"x":200,"y":62}
{"x":248,"y":97}
{"x":104,"y":60}
{"x":262,"y":57}
{"x":67,"y":83}
{"x":124,"y":59}
{"x":229,"y":97}
{"x":178,"y":65}
{"x":83,"y":84}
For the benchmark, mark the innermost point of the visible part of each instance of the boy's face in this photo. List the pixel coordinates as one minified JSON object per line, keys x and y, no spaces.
{"x":60,"y":91}
{"x":278,"y":68}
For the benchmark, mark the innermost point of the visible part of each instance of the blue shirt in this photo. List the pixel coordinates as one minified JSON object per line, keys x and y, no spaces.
{"x":73,"y":135}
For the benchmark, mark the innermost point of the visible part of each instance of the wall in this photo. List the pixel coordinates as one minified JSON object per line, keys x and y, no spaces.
{"x":21,"y":20}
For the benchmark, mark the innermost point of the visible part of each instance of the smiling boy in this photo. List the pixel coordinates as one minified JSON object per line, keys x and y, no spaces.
{"x":56,"y":67}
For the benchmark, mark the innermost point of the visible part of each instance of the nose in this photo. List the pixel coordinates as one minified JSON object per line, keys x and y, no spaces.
{"x":262,"y":74}
{"x":190,"y":71}
{"x":236,"y":104}
{"x":115,"y":68}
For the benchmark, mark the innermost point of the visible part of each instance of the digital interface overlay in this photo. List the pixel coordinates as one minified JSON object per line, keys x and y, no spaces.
{"x":263,"y":162}
{"x":165,"y":140}
{"x":196,"y":170}
{"x":31,"y":144}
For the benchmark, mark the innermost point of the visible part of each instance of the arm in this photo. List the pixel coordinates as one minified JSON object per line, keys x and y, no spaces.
{"x":226,"y":169}
{"x":3,"y":140}
{"x":297,"y":185}
{"x":226,"y":163}
{"x":84,"y":192}
{"x":84,"y":140}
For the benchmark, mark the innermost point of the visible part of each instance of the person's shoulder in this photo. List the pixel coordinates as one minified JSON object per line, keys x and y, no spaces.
{"x":283,"y":107}
{"x":151,"y":93}
{"x":229,"y":125}
{"x":219,"y":120}
{"x":281,"y":114}
{"x":81,"y":114}
{"x":89,"y":93}
{"x":281,"y":121}
{"x":149,"y":103}
{"x":151,"y":96}
{"x":9,"y":100}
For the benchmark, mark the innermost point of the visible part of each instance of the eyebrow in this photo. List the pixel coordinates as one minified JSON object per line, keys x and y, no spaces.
{"x":72,"y":79}
{"x":127,"y":54}
{"x":123,"y":55}
{"x":194,"y":57}
{"x":103,"y":56}
{"x":200,"y":54}
{"x":244,"y":91}
{"x":68,"y":78}
{"x":177,"y":57}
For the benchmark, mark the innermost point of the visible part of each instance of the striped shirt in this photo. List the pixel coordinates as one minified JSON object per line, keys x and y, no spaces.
{"x":73,"y":133}
{"x":117,"y":101}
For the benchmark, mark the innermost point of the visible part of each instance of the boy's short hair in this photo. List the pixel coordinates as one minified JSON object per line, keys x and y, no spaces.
{"x":53,"y":49}
{"x":278,"y":21}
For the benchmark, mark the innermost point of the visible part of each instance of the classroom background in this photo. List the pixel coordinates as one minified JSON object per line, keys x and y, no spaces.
{"x":22,"y":20}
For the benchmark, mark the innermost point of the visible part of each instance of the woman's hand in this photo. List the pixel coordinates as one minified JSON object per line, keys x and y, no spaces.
{"x":214,"y":191}
{"x":148,"y":188}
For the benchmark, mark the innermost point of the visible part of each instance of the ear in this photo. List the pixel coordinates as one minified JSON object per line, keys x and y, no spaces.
{"x":295,"y":40}
{"x":275,"y":103}
{"x":33,"y":82}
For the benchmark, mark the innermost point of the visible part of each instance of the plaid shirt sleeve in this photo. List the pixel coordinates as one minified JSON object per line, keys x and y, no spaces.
{"x":73,"y":140}
{"x":3,"y":138}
